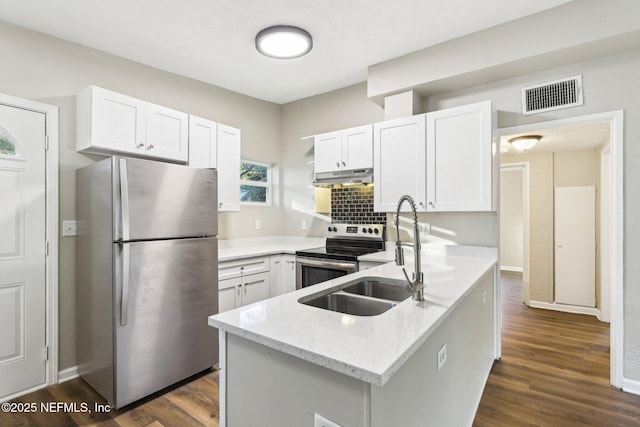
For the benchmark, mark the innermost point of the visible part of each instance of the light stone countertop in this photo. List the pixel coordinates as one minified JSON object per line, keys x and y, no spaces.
{"x":234,"y":249}
{"x":369,"y":348}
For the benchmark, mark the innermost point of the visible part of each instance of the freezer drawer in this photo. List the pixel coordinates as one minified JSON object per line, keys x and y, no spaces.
{"x":165,"y":291}
{"x":155,"y":200}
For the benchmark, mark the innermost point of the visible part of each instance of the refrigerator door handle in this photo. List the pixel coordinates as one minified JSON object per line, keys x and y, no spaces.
{"x":124,"y":301}
{"x":124,"y":198}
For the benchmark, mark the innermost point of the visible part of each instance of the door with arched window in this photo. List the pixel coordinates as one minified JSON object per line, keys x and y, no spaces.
{"x":22,"y":250}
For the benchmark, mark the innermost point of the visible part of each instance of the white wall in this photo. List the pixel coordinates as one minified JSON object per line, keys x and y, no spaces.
{"x":52,"y":71}
{"x":611,"y":83}
{"x":511,"y":231}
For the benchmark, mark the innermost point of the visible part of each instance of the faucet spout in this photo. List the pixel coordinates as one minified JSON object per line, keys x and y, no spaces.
{"x":417,"y":284}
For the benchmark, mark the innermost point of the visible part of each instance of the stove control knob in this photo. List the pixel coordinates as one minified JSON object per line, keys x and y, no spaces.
{"x":328,"y":228}
{"x":376,"y":231}
{"x":364,"y":230}
{"x":370,"y":231}
{"x":334,"y":229}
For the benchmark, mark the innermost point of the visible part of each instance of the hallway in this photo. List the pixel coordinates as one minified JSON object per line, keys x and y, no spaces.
{"x":554,"y":371}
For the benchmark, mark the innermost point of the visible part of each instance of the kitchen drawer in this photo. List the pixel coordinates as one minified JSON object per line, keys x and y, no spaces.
{"x":243,"y":267}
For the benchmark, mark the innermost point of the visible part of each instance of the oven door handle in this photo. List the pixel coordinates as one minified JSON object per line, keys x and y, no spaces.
{"x":314,"y":262}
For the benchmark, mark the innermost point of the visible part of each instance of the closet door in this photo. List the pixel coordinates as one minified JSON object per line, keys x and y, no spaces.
{"x":575,"y":246}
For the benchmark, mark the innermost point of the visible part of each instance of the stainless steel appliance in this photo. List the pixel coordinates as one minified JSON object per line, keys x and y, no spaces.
{"x":147,"y":275}
{"x":339,"y":257}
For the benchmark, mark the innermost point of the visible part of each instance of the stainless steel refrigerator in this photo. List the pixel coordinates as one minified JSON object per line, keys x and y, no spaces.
{"x":146,"y":275}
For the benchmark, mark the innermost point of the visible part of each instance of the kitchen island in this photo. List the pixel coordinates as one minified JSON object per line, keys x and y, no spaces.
{"x":282,"y":361}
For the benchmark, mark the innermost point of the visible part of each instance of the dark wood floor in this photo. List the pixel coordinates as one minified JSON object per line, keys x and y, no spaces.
{"x":190,"y":403}
{"x":554,"y":372}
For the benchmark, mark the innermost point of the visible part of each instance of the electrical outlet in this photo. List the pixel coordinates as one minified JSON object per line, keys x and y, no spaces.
{"x":303,"y":225}
{"x":484,"y":296}
{"x":425,"y":227}
{"x":69,"y":228}
{"x":256,"y":224}
{"x":442,"y":356}
{"x":320,"y":421}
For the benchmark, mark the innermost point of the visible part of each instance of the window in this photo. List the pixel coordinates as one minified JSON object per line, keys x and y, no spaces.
{"x":255,"y":183}
{"x":7,"y":144}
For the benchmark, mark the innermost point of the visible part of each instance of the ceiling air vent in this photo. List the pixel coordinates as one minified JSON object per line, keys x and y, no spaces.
{"x":553,"y":95}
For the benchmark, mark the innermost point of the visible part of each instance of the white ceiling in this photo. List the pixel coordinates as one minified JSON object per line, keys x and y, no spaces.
{"x":213,"y":40}
{"x":570,"y":138}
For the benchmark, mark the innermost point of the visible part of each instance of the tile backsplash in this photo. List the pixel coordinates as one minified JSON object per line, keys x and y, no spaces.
{"x":354,"y":205}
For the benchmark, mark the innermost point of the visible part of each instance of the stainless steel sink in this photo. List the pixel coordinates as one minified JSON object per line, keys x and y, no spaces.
{"x":391,"y":290}
{"x":349,"y":304}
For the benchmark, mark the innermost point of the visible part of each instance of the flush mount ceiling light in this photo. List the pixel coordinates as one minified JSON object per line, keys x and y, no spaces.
{"x":525,"y":142}
{"x":283,"y":42}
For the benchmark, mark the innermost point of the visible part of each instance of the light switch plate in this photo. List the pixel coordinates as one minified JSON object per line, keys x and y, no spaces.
{"x":320,"y":421}
{"x":442,"y":356}
{"x":69,"y":228}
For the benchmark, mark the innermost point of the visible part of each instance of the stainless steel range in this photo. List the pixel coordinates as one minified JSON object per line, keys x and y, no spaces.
{"x":339,"y":257}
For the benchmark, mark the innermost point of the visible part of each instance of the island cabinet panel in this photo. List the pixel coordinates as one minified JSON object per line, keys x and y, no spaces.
{"x":283,"y":390}
{"x":262,"y":385}
{"x":448,"y":396}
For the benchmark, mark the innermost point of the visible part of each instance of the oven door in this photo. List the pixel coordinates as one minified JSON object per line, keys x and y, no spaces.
{"x":310,"y":271}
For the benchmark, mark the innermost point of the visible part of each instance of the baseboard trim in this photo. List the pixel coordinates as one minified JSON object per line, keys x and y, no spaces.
{"x":631,"y":386}
{"x":68,"y":374}
{"x":21,"y":393}
{"x":576,"y":309}
{"x":513,"y":269}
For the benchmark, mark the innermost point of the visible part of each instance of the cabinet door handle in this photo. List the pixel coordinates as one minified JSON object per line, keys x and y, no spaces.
{"x":276,"y":262}
{"x":151,"y":146}
{"x":239,"y":286}
{"x":140,"y":145}
{"x":432,"y":205}
{"x":291,"y":262}
{"x":338,"y":164}
{"x":344,"y":164}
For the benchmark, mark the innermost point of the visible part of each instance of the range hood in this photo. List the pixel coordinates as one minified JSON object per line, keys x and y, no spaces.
{"x":354,"y":176}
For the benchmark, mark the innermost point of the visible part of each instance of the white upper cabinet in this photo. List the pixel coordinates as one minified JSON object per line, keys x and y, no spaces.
{"x":202,"y":143}
{"x":327,"y":152}
{"x":459,"y":158}
{"x":228,"y":159}
{"x":109,"y":122}
{"x":347,"y":149}
{"x":214,"y":145}
{"x":399,"y":148}
{"x":167,"y":133}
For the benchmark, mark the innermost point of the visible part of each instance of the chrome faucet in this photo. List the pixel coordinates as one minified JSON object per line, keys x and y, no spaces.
{"x":417,"y":284}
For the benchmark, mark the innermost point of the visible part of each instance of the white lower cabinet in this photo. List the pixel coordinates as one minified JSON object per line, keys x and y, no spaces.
{"x":242,"y":282}
{"x":282,"y":274}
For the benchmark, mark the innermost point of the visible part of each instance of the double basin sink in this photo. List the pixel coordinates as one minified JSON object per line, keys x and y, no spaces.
{"x":368,"y":296}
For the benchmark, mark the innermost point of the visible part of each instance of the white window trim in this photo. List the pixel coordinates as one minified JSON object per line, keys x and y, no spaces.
{"x":268,"y":184}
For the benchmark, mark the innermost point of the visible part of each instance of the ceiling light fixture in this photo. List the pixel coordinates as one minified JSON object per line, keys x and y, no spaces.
{"x":524,"y":142}
{"x":284,"y":42}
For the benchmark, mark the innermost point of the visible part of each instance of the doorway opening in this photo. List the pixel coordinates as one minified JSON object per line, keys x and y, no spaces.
{"x":573,"y":154}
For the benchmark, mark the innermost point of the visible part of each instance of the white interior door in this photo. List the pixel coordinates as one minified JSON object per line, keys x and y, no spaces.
{"x":575,"y":243}
{"x":22,"y":250}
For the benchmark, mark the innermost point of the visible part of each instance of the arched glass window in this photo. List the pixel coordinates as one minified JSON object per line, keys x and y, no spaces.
{"x":8,"y":145}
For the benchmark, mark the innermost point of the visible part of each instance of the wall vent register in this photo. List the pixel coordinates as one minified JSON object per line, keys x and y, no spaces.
{"x":555,"y":95}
